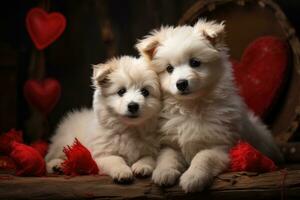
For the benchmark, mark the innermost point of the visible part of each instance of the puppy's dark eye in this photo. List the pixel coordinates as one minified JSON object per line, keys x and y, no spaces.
{"x":121,"y":92}
{"x":170,"y":69}
{"x":145,"y":92}
{"x":194,"y":62}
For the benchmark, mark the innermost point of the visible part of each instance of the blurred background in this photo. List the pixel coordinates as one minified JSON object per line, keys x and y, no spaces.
{"x":96,"y":30}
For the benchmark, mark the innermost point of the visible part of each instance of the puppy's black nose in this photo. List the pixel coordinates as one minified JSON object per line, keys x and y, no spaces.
{"x":182,"y":84}
{"x":133,"y":107}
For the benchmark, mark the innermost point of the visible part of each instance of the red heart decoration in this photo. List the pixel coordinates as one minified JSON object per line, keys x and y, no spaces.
{"x":44,"y":28}
{"x":43,"y":95}
{"x":261,"y":71}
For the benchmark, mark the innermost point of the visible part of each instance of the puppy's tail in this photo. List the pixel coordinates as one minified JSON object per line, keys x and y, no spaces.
{"x":258,"y":135}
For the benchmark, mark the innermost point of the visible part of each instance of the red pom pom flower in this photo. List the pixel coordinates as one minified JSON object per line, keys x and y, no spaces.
{"x":41,"y":146}
{"x":29,"y":161}
{"x":8,"y":138}
{"x":245,"y":157}
{"x":79,"y":160}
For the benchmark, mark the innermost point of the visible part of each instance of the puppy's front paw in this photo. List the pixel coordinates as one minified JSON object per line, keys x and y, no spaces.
{"x":54,"y":166}
{"x":122,"y":175}
{"x":141,"y":170}
{"x":194,"y":181}
{"x":165,"y":176}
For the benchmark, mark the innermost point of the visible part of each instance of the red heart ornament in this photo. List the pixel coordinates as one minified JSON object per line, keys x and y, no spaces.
{"x":260,"y":73}
{"x":44,"y":28}
{"x":43,"y":95}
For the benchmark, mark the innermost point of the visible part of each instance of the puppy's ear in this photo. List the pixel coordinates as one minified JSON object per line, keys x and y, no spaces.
{"x":147,"y":46}
{"x":214,"y":32}
{"x":100,"y":73}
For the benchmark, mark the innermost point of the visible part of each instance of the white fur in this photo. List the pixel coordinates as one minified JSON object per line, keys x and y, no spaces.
{"x":198,"y":128}
{"x":121,"y":146}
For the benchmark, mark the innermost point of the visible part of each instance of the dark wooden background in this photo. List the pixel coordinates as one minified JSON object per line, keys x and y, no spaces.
{"x":96,"y":30}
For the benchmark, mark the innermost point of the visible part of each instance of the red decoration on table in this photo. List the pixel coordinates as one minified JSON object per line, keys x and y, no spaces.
{"x":260,"y":72}
{"x":43,"y":95}
{"x":44,"y":28}
{"x":6,"y":163}
{"x":41,"y":146}
{"x":7,"y":138}
{"x":29,"y":161}
{"x":245,"y":157}
{"x":79,"y":161}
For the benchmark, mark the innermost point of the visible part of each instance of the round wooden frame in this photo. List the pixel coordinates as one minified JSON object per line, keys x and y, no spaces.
{"x":286,"y":121}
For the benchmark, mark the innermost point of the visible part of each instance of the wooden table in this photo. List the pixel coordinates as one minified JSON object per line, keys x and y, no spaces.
{"x":283,"y":184}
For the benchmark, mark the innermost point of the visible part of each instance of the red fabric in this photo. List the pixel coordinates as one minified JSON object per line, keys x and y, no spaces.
{"x":43,"y":95}
{"x":260,"y":72}
{"x":44,"y":28}
{"x":245,"y":157}
{"x":7,"y":138}
{"x":7,"y":163}
{"x":29,"y":161}
{"x":41,"y":146}
{"x":79,"y":161}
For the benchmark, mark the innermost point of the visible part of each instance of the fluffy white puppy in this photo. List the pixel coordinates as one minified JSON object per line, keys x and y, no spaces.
{"x":121,"y":130}
{"x":203,"y":115}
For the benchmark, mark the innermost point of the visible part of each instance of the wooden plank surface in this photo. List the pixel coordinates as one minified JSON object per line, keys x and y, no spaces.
{"x":284,"y":184}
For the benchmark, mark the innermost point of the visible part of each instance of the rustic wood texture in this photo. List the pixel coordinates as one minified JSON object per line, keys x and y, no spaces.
{"x":284,"y":184}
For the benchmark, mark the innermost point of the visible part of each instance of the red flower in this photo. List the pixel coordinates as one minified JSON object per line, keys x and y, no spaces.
{"x":245,"y":157}
{"x":6,"y":140}
{"x":41,"y":146}
{"x":79,"y":160}
{"x":29,"y":161}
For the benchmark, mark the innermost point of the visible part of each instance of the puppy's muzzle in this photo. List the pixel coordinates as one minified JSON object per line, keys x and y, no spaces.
{"x":182,"y":85}
{"x":133,"y":107}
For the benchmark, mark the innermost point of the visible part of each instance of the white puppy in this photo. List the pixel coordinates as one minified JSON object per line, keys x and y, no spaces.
{"x":203,"y":115}
{"x":121,"y":129}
